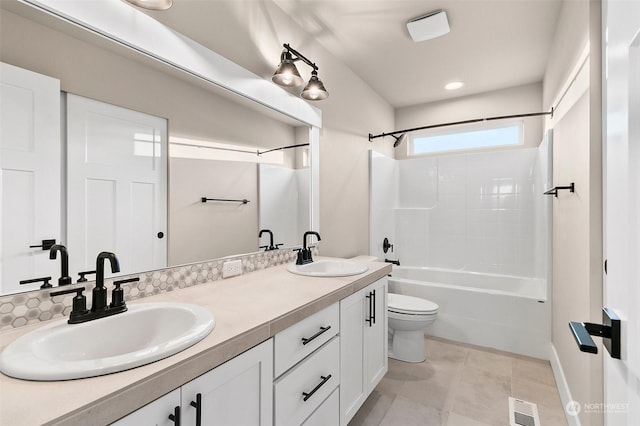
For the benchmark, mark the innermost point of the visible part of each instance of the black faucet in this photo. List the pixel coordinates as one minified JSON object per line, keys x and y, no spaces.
{"x":304,"y":254}
{"x":99,"y":308}
{"x":64,"y":279}
{"x":270,"y":246}
{"x":99,"y":291}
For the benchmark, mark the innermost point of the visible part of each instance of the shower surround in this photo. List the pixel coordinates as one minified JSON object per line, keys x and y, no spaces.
{"x":480,"y":212}
{"x":477,"y":215}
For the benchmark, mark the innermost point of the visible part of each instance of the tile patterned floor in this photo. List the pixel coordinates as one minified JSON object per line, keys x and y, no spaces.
{"x":461,"y":385}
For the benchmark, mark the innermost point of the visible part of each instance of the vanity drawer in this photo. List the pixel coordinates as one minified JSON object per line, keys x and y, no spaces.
{"x":328,"y":413}
{"x":314,"y":380}
{"x":301,"y":339}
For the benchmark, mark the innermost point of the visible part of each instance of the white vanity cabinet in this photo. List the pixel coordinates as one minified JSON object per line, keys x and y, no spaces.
{"x":364,"y":346}
{"x":238,"y":392}
{"x":307,"y":371}
{"x":317,"y":372}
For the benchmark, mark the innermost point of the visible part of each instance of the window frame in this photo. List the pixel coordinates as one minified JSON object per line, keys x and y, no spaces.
{"x":466,"y":128}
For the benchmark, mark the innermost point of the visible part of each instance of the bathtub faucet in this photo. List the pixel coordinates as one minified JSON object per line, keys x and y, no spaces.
{"x":395,"y":262}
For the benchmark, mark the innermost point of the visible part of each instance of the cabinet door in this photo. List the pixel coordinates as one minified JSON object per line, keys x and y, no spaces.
{"x":376,"y":342}
{"x":238,"y":392}
{"x":155,"y":413}
{"x":353,"y":392}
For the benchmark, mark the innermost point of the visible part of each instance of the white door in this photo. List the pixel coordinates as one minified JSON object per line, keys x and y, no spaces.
{"x":622,"y":207}
{"x":116,"y":186}
{"x":30,"y":176}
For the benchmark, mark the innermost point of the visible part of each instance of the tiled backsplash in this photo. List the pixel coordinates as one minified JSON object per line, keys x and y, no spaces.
{"x":17,"y":310}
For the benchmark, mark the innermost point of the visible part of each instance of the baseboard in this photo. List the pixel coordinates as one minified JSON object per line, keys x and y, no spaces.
{"x":563,"y":386}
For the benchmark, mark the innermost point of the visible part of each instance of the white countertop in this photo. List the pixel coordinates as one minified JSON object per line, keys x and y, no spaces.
{"x":248,"y":310}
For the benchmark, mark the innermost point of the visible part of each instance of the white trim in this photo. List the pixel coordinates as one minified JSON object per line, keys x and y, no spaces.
{"x":562,"y":384}
{"x":573,"y":88}
{"x":123,"y":24}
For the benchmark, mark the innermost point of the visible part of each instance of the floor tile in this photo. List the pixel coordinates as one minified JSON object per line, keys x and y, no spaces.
{"x":533,"y":370}
{"x":373,"y":410}
{"x":495,"y":363}
{"x":483,"y":396}
{"x":461,"y":385}
{"x":408,"y":413}
{"x":536,"y":392}
{"x":456,"y":419}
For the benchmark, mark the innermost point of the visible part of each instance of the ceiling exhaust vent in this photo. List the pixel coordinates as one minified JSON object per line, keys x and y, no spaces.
{"x":431,"y":25}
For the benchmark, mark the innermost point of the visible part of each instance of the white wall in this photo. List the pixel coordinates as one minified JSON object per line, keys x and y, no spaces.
{"x":200,"y":231}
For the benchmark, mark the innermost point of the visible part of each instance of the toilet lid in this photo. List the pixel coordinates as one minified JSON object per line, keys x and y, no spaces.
{"x":409,"y":304}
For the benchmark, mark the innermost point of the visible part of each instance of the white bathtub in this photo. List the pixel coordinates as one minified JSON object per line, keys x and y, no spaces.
{"x":499,"y":311}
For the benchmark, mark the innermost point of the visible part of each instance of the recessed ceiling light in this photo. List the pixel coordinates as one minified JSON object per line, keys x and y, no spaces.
{"x":454,"y":85}
{"x":152,"y":4}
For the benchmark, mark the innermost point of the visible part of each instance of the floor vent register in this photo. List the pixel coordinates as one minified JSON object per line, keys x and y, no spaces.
{"x":523,"y":413}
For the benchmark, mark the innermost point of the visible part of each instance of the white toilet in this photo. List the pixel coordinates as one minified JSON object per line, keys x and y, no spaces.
{"x":408,"y":317}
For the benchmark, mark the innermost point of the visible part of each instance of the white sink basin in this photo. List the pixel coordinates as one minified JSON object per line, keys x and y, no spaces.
{"x":329,"y":268}
{"x":145,"y":333}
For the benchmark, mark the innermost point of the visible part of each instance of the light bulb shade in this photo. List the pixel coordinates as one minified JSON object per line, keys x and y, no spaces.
{"x":152,"y":4}
{"x":314,"y":90}
{"x":287,"y":74}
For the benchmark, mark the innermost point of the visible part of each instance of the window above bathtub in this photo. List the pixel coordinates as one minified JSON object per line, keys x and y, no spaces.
{"x":467,"y":138}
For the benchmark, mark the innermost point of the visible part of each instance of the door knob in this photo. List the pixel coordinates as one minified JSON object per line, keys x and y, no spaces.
{"x":609,"y":330}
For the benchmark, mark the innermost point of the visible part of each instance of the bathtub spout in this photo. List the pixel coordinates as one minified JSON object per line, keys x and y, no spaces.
{"x":395,"y":262}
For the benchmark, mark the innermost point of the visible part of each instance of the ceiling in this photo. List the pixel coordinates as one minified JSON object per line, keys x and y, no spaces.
{"x":492,"y":44}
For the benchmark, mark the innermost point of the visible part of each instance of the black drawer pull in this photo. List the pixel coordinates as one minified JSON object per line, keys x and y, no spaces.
{"x":306,"y":340}
{"x":197,"y":404}
{"x":175,"y":417}
{"x":373,"y":314}
{"x":371,"y":319}
{"x":308,"y":395}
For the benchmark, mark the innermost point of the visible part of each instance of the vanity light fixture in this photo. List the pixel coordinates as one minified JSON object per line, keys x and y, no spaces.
{"x":152,"y":4}
{"x":287,"y":75}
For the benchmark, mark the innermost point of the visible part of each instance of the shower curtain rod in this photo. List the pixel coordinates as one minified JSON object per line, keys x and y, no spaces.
{"x":454,"y":123}
{"x":281,"y":148}
{"x":245,"y":151}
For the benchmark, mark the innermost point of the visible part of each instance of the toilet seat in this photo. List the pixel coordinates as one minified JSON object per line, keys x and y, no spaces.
{"x":409,"y":305}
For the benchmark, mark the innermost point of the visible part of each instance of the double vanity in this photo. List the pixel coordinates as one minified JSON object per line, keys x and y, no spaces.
{"x":302,"y":346}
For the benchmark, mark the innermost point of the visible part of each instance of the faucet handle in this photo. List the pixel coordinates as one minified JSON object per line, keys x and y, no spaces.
{"x":117,"y":294}
{"x":45,"y":282}
{"x":83,"y":278}
{"x":278,"y":245}
{"x":79,"y":303}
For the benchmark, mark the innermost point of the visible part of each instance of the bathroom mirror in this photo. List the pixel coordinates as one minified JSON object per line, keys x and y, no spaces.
{"x":197,"y":112}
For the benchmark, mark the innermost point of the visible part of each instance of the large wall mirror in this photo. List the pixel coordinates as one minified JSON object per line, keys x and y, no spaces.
{"x":205,"y":140}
